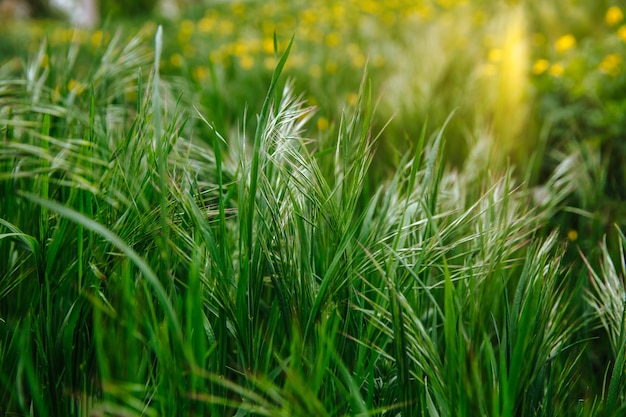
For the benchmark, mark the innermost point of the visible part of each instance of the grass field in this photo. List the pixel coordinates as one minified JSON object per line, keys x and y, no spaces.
{"x":210,"y":217}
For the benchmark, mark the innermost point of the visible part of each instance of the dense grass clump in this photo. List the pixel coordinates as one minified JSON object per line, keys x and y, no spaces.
{"x":152,"y":264}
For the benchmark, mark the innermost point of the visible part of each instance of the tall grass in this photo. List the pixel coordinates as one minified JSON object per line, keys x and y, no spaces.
{"x":155,"y":265}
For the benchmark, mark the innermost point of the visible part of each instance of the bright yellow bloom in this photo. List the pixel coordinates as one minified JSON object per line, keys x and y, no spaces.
{"x":556,"y":69}
{"x":246,"y":62}
{"x":200,"y":73}
{"x":176,"y":60}
{"x":187,"y":27}
{"x":621,"y":32}
{"x":565,"y":43}
{"x":540,"y":66}
{"x":494,"y":55}
{"x":238,"y":8}
{"x":353,"y":98}
{"x":75,"y":87}
{"x":322,"y":123}
{"x":610,"y":64}
{"x":205,"y":25}
{"x":332,"y":39}
{"x":613,"y":15}
{"x":572,"y":235}
{"x":96,"y":38}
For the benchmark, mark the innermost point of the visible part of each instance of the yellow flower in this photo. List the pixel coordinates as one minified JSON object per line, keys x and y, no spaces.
{"x":556,"y":69}
{"x":331,"y":67}
{"x":494,"y":55}
{"x":200,"y":73}
{"x":268,"y":46}
{"x":238,"y":8}
{"x":610,"y":64}
{"x":75,"y":87}
{"x":322,"y":123}
{"x":353,"y":98}
{"x":565,"y":43}
{"x":56,"y":94}
{"x":332,"y":39}
{"x":205,"y":25}
{"x":572,"y":235}
{"x":540,"y":66}
{"x":187,"y":27}
{"x":246,"y":62}
{"x":96,"y":38}
{"x":613,"y":15}
{"x":176,"y":60}
{"x":621,"y":32}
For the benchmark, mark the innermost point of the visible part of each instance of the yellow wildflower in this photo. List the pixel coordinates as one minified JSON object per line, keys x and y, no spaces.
{"x":610,"y":64}
{"x":353,"y":98}
{"x":176,"y":60}
{"x":75,"y":86}
{"x":331,"y":67}
{"x":494,"y":55}
{"x":565,"y":43}
{"x":200,"y":73}
{"x":540,"y":66}
{"x":96,"y":38}
{"x":572,"y":235}
{"x":187,"y":27}
{"x":556,"y":69}
{"x":621,"y":32}
{"x":246,"y":62}
{"x":205,"y":25}
{"x":332,"y":39}
{"x":613,"y":15}
{"x":322,"y":123}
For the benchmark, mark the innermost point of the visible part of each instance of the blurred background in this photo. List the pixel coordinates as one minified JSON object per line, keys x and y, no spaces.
{"x":530,"y":82}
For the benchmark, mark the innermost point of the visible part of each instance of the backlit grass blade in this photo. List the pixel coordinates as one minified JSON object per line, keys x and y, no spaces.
{"x":95,"y":227}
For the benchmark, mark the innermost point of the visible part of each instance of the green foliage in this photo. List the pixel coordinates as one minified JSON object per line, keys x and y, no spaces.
{"x":580,"y":79}
{"x":156,"y":259}
{"x":125,"y":9}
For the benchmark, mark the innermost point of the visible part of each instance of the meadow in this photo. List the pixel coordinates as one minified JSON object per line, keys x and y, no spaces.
{"x":316,"y":209}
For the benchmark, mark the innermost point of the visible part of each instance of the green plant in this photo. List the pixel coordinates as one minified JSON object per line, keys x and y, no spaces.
{"x":153,"y":263}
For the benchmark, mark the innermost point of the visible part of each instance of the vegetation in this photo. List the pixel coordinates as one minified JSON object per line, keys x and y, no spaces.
{"x":190,"y":236}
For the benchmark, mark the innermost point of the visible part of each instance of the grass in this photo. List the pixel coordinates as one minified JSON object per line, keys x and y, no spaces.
{"x":156,"y":263}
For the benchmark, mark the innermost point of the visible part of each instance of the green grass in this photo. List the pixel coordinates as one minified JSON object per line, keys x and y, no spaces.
{"x":155,"y":263}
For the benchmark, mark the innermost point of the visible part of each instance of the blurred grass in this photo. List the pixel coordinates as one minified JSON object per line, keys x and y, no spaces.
{"x":167,"y":252}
